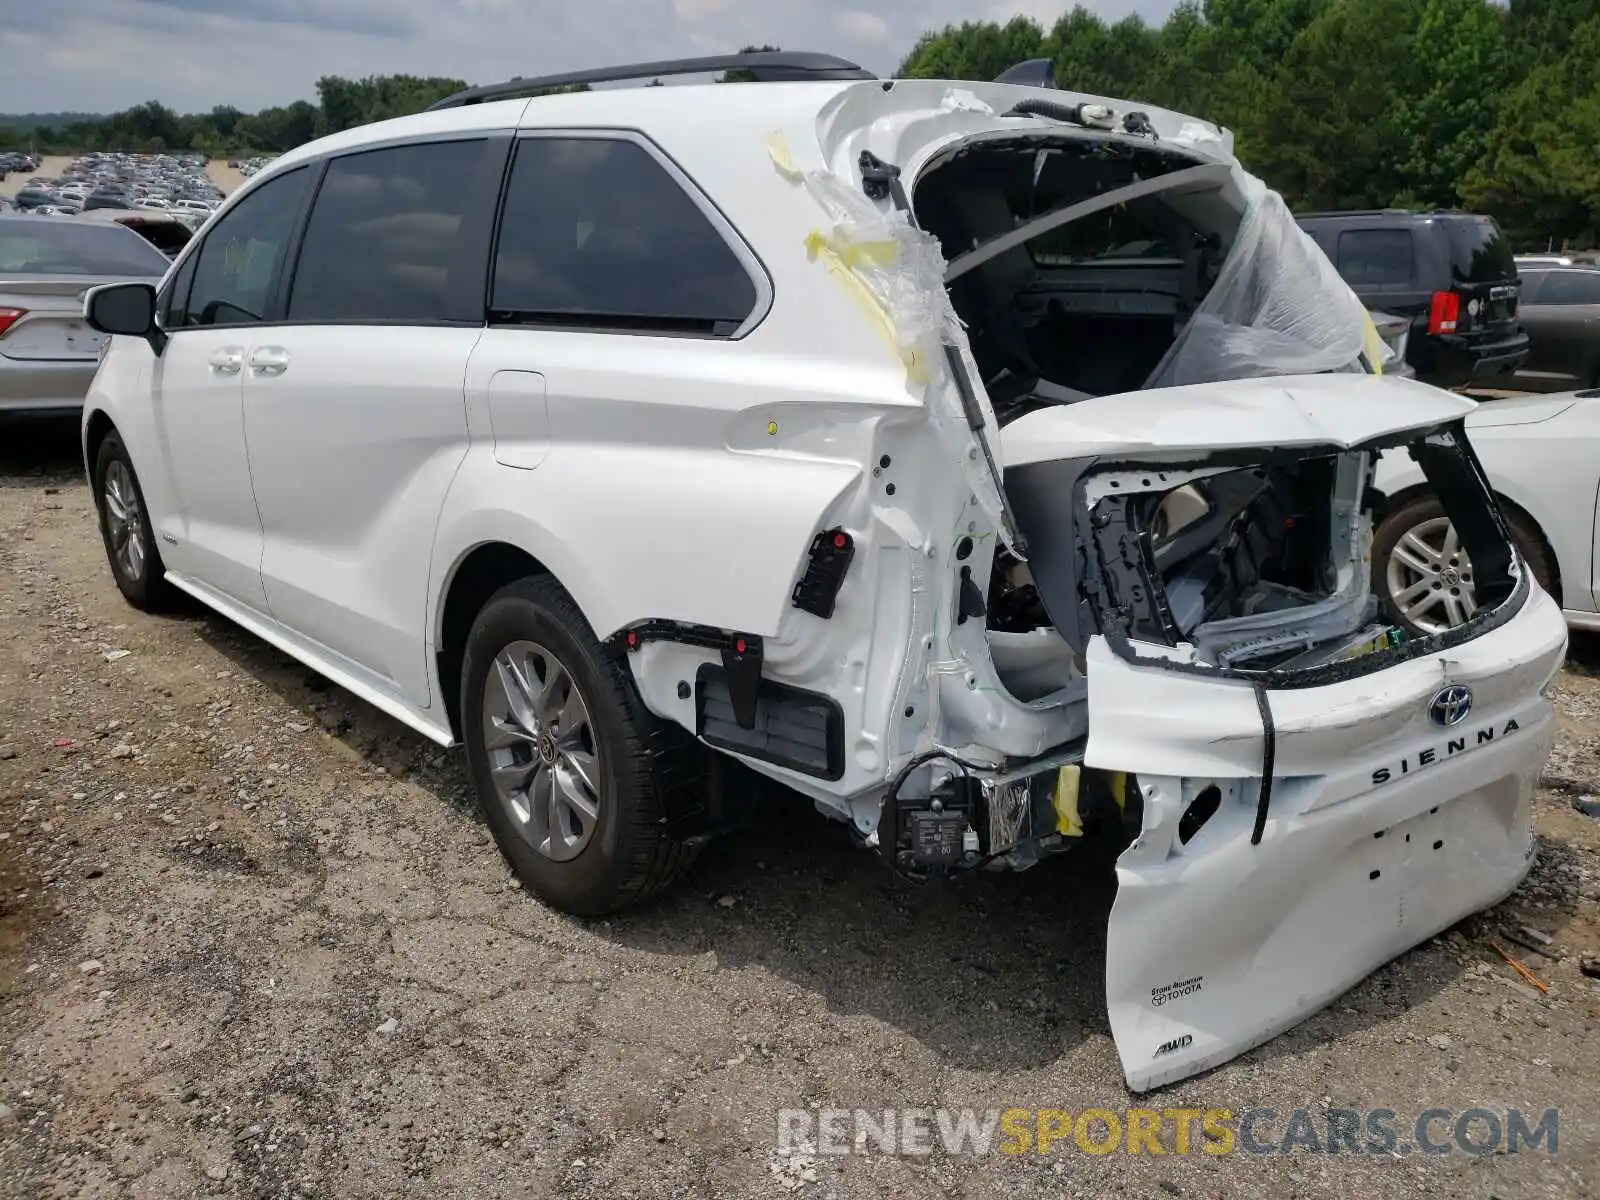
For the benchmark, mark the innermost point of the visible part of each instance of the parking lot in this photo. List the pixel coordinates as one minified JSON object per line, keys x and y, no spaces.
{"x":255,"y":941}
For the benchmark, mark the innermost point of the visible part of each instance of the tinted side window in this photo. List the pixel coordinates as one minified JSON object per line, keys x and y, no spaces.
{"x":388,"y":238}
{"x":1377,"y":257}
{"x":596,"y":233}
{"x":1570,"y":287}
{"x":240,"y":260}
{"x":1531,"y":282}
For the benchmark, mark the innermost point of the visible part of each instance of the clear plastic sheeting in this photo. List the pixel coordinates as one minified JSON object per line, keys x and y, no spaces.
{"x":896,"y":272}
{"x":1278,"y":306}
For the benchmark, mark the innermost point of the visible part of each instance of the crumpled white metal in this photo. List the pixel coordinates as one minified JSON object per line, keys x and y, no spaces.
{"x":901,"y":269}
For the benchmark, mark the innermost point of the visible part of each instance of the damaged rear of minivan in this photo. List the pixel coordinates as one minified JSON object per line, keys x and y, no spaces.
{"x":1181,"y":405}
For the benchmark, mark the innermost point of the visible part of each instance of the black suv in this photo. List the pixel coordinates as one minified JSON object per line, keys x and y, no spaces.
{"x":1450,"y":273}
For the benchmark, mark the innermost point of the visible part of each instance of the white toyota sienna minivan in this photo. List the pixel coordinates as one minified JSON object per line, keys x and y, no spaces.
{"x":988,"y":462}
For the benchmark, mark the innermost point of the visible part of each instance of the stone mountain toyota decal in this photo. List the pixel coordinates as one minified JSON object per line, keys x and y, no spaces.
{"x":1465,"y":740}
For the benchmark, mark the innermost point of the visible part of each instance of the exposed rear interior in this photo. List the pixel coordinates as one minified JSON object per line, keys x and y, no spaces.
{"x":1253,"y":563}
{"x":1089,"y":307}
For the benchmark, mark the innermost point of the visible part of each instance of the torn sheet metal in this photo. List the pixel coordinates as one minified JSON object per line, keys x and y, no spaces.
{"x":896,"y":273}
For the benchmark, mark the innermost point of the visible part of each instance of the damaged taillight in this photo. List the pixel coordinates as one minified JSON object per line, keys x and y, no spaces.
{"x":1444,"y":314}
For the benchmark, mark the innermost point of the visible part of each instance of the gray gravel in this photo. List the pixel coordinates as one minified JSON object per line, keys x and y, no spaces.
{"x":254,"y":941}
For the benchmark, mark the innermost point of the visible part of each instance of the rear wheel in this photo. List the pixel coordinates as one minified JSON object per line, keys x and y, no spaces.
{"x":1423,"y":575}
{"x":575,"y":776}
{"x":125,"y":528}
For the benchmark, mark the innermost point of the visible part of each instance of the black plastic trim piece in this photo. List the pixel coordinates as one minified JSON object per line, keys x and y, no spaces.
{"x":741,"y":666}
{"x":1269,"y":754}
{"x":793,"y":728}
{"x":969,"y":599}
{"x":778,"y":66}
{"x":707,"y":637}
{"x":828,"y":562}
{"x":881,"y":180}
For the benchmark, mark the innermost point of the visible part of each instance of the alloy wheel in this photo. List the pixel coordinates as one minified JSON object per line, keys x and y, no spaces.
{"x":125,"y":520}
{"x":541,"y":749}
{"x":1429,"y":577}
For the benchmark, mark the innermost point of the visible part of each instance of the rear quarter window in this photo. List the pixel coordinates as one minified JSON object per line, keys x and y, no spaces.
{"x":1377,"y":257}
{"x":596,"y":233}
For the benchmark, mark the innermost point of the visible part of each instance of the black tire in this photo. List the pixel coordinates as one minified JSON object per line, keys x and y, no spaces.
{"x":146,"y":588}
{"x":649,"y":770}
{"x":1425,"y":508}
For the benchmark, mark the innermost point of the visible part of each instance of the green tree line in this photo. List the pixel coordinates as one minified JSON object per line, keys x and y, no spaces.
{"x":1352,"y":103}
{"x":153,"y":128}
{"x":1336,"y":103}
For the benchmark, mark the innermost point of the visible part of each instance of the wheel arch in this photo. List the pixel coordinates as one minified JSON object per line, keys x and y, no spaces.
{"x":1519,"y":513}
{"x":96,"y":427}
{"x":476,"y":576}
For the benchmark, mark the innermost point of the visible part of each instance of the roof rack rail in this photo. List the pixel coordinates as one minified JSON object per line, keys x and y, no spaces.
{"x":770,"y":66}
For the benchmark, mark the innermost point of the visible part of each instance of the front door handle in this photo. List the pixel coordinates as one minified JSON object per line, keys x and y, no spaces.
{"x":269,"y":360}
{"x":227,"y":361}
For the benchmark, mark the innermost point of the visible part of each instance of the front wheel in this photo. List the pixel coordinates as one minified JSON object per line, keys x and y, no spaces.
{"x":125,"y":529}
{"x":1423,"y":575}
{"x":572,"y":771}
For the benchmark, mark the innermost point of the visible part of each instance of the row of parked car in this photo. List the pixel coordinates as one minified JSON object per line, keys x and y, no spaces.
{"x":251,"y":166}
{"x":18,"y":160}
{"x":128,"y":182}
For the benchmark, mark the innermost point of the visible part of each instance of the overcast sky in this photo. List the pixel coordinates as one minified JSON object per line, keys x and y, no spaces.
{"x":103,"y":55}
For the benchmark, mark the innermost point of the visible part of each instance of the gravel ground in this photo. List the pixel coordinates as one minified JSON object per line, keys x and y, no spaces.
{"x":255,"y":941}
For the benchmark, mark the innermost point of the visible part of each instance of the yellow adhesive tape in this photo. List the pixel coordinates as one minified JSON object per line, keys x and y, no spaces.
{"x":1065,"y":801}
{"x":840,"y":258}
{"x":1372,"y":344}
{"x":782,"y":159}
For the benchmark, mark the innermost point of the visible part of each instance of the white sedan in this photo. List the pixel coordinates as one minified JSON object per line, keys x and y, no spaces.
{"x":1542,"y":457}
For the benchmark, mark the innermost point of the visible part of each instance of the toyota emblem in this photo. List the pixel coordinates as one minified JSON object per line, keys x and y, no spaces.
{"x":1451,"y":705}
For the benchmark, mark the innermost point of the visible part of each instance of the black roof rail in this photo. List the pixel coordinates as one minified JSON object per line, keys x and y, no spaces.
{"x":769,"y":66}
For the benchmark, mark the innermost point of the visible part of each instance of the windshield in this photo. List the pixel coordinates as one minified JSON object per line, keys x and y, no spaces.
{"x":1479,"y":252}
{"x":69,"y":247}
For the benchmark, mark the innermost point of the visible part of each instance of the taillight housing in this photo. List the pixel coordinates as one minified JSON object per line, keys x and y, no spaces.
{"x":1444,"y":314}
{"x":9,"y":317}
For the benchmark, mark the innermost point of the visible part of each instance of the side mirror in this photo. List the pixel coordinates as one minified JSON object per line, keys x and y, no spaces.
{"x":128,"y":309}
